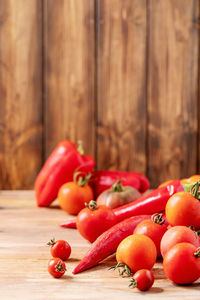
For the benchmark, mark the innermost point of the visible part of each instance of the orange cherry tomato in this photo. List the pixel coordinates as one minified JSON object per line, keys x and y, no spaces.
{"x":72,"y":196}
{"x":153,"y":228}
{"x":93,"y":220}
{"x":183,"y":209}
{"x":165,"y":183}
{"x":176,"y":235}
{"x":182,"y":263}
{"x":136,"y":251}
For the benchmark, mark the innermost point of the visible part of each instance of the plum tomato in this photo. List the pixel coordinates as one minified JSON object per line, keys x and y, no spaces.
{"x":56,"y":267}
{"x":182,"y":263}
{"x":60,"y":249}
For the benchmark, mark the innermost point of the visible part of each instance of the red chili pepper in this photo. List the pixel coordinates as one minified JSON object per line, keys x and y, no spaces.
{"x":153,"y":202}
{"x":107,"y":243}
{"x":103,"y":180}
{"x":59,"y":169}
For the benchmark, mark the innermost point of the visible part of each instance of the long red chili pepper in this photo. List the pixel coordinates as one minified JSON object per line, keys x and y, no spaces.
{"x":59,"y":169}
{"x":107,"y":243}
{"x":153,"y":202}
{"x":103,"y":180}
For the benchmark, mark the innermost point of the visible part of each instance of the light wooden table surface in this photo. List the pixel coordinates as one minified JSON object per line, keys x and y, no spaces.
{"x":24,"y":231}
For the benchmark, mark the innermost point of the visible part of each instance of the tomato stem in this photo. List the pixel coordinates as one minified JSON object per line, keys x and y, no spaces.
{"x":197,"y":252}
{"x":126,"y":270}
{"x":52,"y":242}
{"x":197,"y":232}
{"x":158,"y":218}
{"x":133,"y":283}
{"x":92,"y":205}
{"x":82,"y":181}
{"x":117,"y":186}
{"x":195,"y":190}
{"x":59,"y":267}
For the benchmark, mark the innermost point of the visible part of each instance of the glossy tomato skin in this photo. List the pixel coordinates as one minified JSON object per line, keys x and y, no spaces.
{"x":153,"y":230}
{"x":92,"y":223}
{"x":137,"y":251}
{"x":191,"y":180}
{"x":61,"y":249}
{"x":178,"y":234}
{"x":183,"y":209}
{"x":56,"y":267}
{"x":180,"y":264}
{"x":144,"y":279}
{"x":72,"y":197}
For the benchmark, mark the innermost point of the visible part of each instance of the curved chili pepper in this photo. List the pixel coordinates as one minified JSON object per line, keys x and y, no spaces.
{"x":59,"y":169}
{"x":103,"y":180}
{"x":153,"y":202}
{"x":107,"y":243}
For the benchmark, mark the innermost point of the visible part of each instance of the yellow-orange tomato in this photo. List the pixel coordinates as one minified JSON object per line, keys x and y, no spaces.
{"x":72,"y":197}
{"x":137,"y":251}
{"x":191,"y":179}
{"x":183,"y":209}
{"x":165,"y":183}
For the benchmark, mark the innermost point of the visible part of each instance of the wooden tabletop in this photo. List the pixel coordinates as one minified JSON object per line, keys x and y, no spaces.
{"x":24,"y":231}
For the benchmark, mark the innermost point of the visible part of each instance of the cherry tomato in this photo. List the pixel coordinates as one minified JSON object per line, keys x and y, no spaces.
{"x":60,"y":249}
{"x":142,"y":279}
{"x":191,"y":179}
{"x":136,"y":251}
{"x":154,"y":229}
{"x":182,"y":263}
{"x":72,"y":196}
{"x":56,"y":267}
{"x":165,"y":183}
{"x":183,"y":209}
{"x":175,"y":235}
{"x":93,"y":220}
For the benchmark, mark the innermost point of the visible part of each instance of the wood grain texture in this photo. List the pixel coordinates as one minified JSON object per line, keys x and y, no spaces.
{"x":20,"y":92}
{"x":24,"y":231}
{"x":172,"y":89}
{"x":69,"y":72}
{"x":121,"y":81}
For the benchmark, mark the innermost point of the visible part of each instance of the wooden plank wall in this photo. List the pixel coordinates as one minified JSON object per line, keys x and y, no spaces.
{"x":122,"y":75}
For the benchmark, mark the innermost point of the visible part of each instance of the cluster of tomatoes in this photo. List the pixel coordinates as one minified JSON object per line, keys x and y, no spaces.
{"x":60,"y":251}
{"x":175,"y":238}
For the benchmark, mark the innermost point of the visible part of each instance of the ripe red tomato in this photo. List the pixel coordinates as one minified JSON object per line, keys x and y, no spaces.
{"x":60,"y":249}
{"x":72,"y":196}
{"x":93,"y":220}
{"x":153,"y":228}
{"x":142,"y":279}
{"x":56,"y":267}
{"x":183,"y":209}
{"x":182,"y":263}
{"x":178,"y":234}
{"x":136,"y":251}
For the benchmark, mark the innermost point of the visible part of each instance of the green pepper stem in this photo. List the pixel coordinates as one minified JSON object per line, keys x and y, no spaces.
{"x":80,"y":148}
{"x":81,"y":181}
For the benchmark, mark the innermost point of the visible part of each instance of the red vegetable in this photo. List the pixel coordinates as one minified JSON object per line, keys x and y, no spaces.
{"x":56,"y":267}
{"x":103,"y":180}
{"x":151,"y":203}
{"x":60,"y":249}
{"x":59,"y":169}
{"x":142,"y":279}
{"x":107,"y":243}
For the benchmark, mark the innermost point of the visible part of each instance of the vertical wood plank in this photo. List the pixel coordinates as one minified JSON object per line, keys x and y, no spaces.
{"x":172,"y":89}
{"x":20,"y":93}
{"x":69,"y":72}
{"x":121,"y":81}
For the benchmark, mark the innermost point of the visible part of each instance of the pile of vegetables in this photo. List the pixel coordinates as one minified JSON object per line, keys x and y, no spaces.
{"x":115,"y":216}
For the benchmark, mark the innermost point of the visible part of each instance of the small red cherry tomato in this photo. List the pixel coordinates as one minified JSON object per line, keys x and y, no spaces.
{"x":56,"y":267}
{"x":142,"y":279}
{"x":60,"y":249}
{"x":182,"y":263}
{"x":93,"y":220}
{"x":154,"y":228}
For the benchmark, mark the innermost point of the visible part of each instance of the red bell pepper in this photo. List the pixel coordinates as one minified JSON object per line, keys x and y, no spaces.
{"x":59,"y":169}
{"x":153,"y":202}
{"x":103,"y":180}
{"x":107,"y":243}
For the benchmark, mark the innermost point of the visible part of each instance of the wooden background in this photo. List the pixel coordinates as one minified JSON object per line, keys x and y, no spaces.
{"x":122,"y":75}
